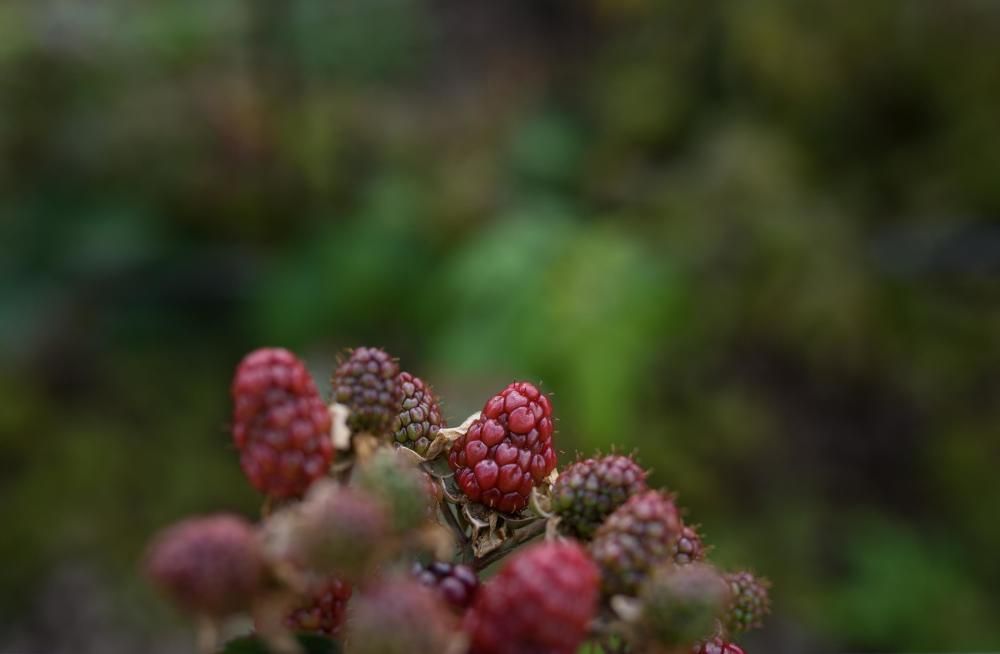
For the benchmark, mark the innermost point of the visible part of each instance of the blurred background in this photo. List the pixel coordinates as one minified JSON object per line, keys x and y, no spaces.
{"x":757,"y":241}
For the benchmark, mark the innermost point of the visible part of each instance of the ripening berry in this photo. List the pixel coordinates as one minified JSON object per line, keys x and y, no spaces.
{"x":419,"y":419}
{"x":280,"y":424}
{"x":542,"y":600}
{"x":508,"y":450}
{"x":366,"y":384}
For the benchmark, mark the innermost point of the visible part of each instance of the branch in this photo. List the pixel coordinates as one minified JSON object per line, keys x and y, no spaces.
{"x":520,"y":537}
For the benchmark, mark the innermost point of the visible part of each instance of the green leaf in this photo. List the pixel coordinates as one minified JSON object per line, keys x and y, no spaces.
{"x":311,"y":644}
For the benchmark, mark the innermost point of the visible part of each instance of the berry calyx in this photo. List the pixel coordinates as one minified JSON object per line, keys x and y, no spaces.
{"x":750,"y":602}
{"x":419,"y":418}
{"x":366,"y":383}
{"x":638,"y":536}
{"x":507,"y":450}
{"x":457,"y":584}
{"x":324,"y":610}
{"x":210,"y":565}
{"x":280,"y":424}
{"x":588,"y":491}
{"x":542,"y":600}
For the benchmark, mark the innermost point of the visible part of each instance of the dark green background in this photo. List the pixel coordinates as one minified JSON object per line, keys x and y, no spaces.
{"x":758,"y":241}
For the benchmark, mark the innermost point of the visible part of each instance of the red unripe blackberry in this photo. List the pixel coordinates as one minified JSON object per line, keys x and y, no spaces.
{"x":507,"y":450}
{"x":399,"y":617}
{"x":280,"y":424}
{"x":689,"y":547}
{"x":717,"y":646}
{"x":419,"y":418}
{"x":636,"y":537}
{"x":323,"y":611}
{"x":588,"y":491}
{"x":366,"y":384}
{"x":542,"y":600}
{"x":750,"y":602}
{"x":210,"y":565}
{"x":456,"y":583}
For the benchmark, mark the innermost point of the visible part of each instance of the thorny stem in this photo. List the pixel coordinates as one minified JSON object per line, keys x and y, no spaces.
{"x":525,"y":534}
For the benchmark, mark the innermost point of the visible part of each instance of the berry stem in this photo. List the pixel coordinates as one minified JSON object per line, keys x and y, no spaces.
{"x":207,"y":635}
{"x":520,"y":537}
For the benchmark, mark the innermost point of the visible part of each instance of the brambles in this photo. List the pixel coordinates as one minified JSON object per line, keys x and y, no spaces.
{"x":366,"y":384}
{"x":588,"y":491}
{"x":280,"y":425}
{"x":541,"y":601}
{"x":508,"y":450}
{"x":617,"y":567}
{"x":419,"y":418}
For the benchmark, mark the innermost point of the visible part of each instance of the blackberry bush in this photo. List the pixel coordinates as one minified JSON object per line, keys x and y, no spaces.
{"x":595,"y":555}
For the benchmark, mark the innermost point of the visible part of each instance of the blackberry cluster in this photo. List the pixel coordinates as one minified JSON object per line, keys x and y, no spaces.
{"x":419,"y":419}
{"x":280,"y":425}
{"x":638,"y":536}
{"x":541,"y":601}
{"x":617,"y":560}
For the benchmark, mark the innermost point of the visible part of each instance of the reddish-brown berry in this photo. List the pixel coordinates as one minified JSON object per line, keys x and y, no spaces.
{"x":542,"y":600}
{"x":638,"y":536}
{"x":588,"y":491}
{"x":419,"y":418}
{"x":323,"y":611}
{"x":366,"y":384}
{"x":508,"y":450}
{"x":457,"y":584}
{"x":280,"y":424}
{"x":210,"y":565}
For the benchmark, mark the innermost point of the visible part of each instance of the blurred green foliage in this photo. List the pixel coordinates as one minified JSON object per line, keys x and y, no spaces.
{"x":757,"y":241}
